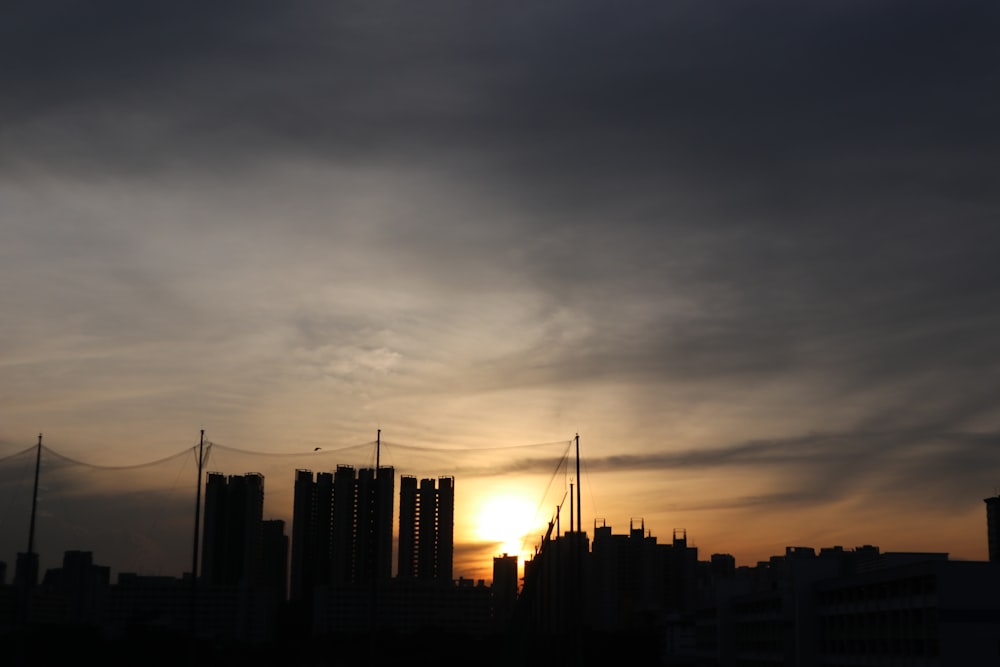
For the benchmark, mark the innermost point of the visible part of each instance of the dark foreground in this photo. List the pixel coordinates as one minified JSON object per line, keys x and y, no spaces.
{"x":49,"y":645}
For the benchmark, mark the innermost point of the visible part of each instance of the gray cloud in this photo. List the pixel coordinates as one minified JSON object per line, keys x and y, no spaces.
{"x":920,"y":468}
{"x":717,"y":223}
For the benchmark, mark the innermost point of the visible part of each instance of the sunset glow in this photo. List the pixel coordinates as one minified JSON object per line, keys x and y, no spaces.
{"x":510,"y":522}
{"x":746,"y":252}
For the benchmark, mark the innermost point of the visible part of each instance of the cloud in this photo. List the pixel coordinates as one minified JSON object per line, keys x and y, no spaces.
{"x":694,"y":233}
{"x":917,"y":468}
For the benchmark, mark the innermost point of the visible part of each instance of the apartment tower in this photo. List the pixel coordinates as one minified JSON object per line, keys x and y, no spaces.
{"x":341,"y":528}
{"x":426,"y":528}
{"x":233,"y":529}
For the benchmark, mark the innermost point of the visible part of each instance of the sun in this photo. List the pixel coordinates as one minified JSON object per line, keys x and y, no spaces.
{"x":508,"y":520}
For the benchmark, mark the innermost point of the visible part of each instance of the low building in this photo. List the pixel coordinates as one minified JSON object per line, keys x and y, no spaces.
{"x":927,"y":612}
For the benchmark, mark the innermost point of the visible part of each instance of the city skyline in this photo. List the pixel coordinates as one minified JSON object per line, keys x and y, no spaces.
{"x":745,"y":250}
{"x":832,"y":605}
{"x":158,"y":541}
{"x":154,"y":539}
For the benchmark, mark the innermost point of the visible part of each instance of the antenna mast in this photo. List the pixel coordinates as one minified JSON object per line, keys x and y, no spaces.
{"x":34,"y":498}
{"x":197,"y":507}
{"x":571,"y":506}
{"x":579,"y":508}
{"x":197,"y":526}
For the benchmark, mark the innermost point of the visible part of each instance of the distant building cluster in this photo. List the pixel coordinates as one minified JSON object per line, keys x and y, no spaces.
{"x":582,"y":600}
{"x":832,"y":607}
{"x":333,"y":575}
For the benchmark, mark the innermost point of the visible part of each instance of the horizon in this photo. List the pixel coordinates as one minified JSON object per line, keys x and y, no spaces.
{"x":474,"y":549}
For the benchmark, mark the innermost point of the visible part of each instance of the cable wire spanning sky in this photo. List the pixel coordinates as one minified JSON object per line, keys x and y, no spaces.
{"x":747,"y":250}
{"x":139,"y":517}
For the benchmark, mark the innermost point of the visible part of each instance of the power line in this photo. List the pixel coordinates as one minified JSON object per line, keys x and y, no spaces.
{"x":314,"y":452}
{"x":62,"y":457}
{"x":446,"y":450}
{"x":23,"y":452}
{"x":416,"y":448}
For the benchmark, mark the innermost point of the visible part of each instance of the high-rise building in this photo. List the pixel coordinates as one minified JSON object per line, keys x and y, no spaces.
{"x":232,"y":535}
{"x":303,"y":519}
{"x":426,"y":528}
{"x":342,"y":516}
{"x":993,"y":528}
{"x":341,"y":528}
{"x":504,"y":589}
{"x":373,"y":525}
{"x":274,"y":557}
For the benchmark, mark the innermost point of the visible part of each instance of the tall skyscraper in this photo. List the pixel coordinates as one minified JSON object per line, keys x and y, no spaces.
{"x":426,"y":528}
{"x":342,"y":510}
{"x":302,"y":578}
{"x":341,"y":528}
{"x":993,"y":527}
{"x":232,"y":535}
{"x":274,"y":557}
{"x":373,"y":525}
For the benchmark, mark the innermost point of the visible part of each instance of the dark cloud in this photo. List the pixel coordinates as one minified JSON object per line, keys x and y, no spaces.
{"x":922,"y":467}
{"x":682,"y":205}
{"x":570,"y":93}
{"x":816,"y":178}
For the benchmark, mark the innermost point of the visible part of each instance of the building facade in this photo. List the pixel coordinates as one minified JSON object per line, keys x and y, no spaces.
{"x":233,"y":529}
{"x":341,"y":528}
{"x":993,"y":528}
{"x":426,"y":528}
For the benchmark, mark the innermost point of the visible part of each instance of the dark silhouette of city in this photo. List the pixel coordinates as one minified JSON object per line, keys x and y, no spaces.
{"x":322,"y":591}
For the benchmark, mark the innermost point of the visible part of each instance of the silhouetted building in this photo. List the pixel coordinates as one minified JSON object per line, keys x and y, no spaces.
{"x":341,"y":528}
{"x":274,"y":557}
{"x":637,"y":585}
{"x":26,"y":569}
{"x":993,"y":527}
{"x":165,"y":603}
{"x":722,"y":565}
{"x":504,"y":592}
{"x":679,"y":564}
{"x":231,"y":546}
{"x":75,"y":594}
{"x":624,"y":577}
{"x":921,"y":611}
{"x":157,"y":606}
{"x":426,"y":528}
{"x":776,"y":621}
{"x":303,"y":563}
{"x":851,"y":607}
{"x":554,"y":596}
{"x":411,"y":606}
{"x":373,"y":525}
{"x":342,"y":513}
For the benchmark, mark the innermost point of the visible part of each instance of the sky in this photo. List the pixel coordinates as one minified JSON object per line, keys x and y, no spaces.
{"x":746,"y":250}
